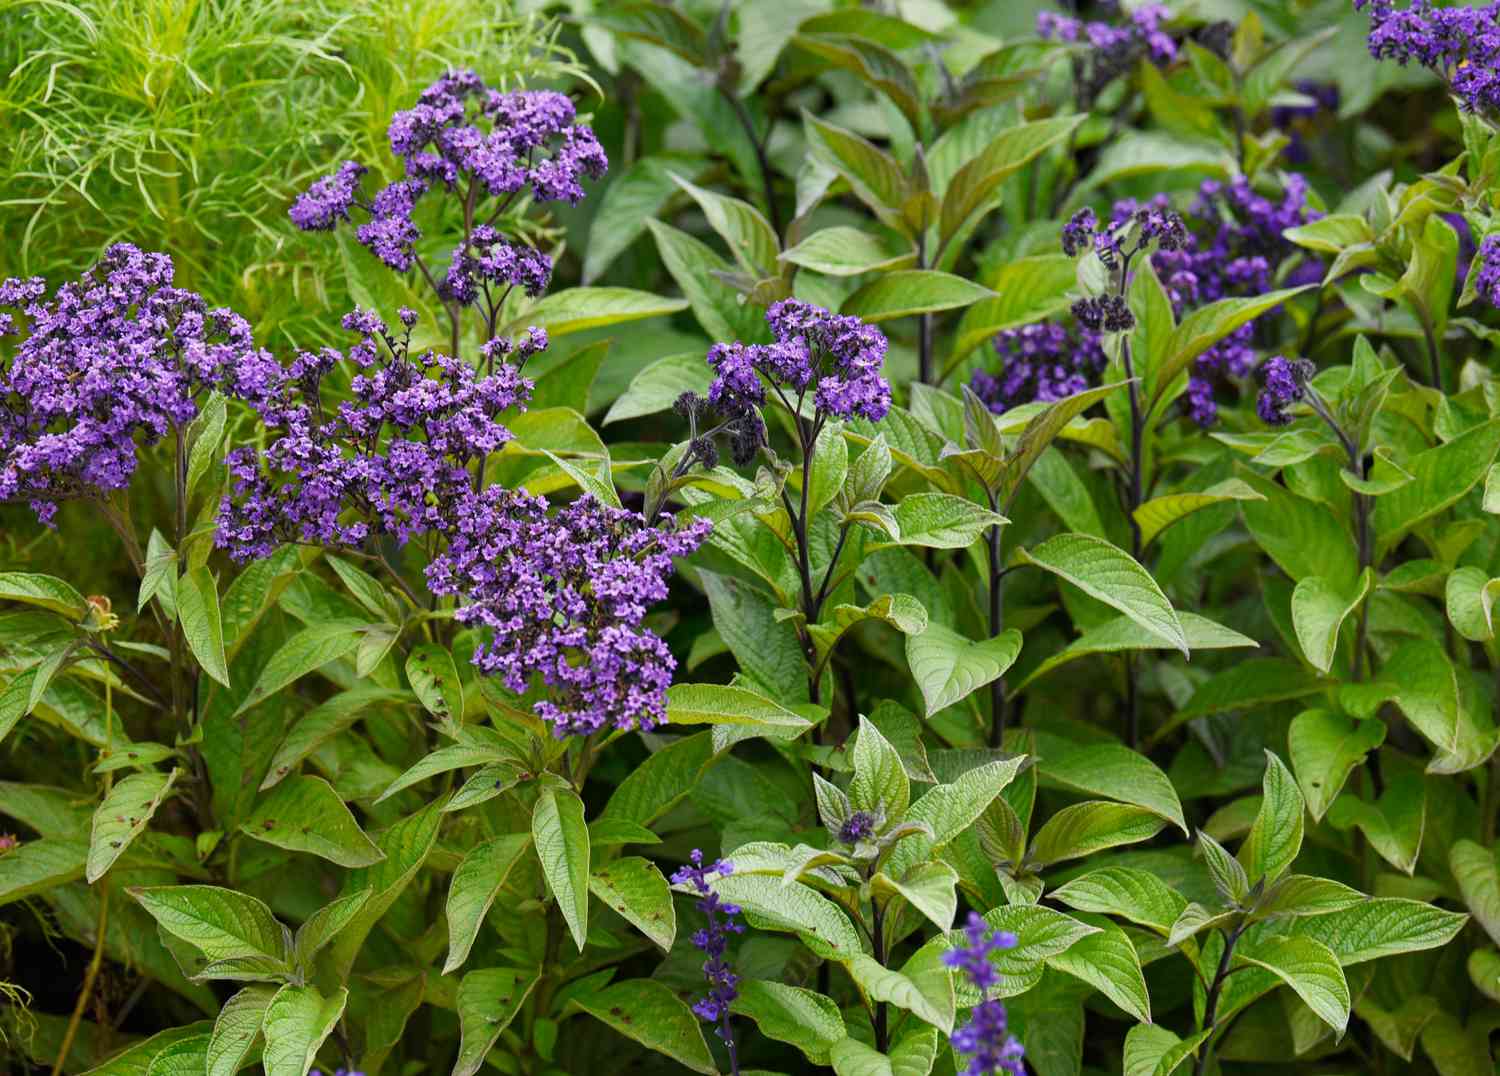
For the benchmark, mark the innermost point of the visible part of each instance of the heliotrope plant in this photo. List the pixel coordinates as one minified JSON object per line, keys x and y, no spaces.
{"x":1030,"y":610}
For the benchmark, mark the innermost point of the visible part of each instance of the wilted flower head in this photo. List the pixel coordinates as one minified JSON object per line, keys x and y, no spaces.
{"x":986,"y":1038}
{"x":564,"y":597}
{"x":838,"y":357}
{"x":116,"y":359}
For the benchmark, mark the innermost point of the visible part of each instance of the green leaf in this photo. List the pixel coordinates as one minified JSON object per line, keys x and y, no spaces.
{"x":723,"y":704}
{"x":845,"y":251}
{"x":1245,"y":686}
{"x":41,"y":865}
{"x":1042,"y":933}
{"x":1113,"y":771}
{"x":659,"y":384}
{"x":970,"y":190}
{"x":742,"y":227}
{"x":1441,"y":476}
{"x":1152,"y":1050}
{"x":905,"y":292}
{"x":1229,"y":877}
{"x":122,"y":817}
{"x":1026,"y":290}
{"x":434,"y":680}
{"x":879,"y":784}
{"x":1123,"y":634}
{"x":1319,"y":609}
{"x":323,"y":723}
{"x":949,"y":667}
{"x":1275,"y":838}
{"x":803,"y":1018}
{"x":236,"y":1029}
{"x":221,"y":923}
{"x":770,"y":905}
{"x":949,"y":809}
{"x":1205,"y":327}
{"x":1478,"y":879}
{"x":1310,"y":968}
{"x":574,"y":310}
{"x":488,"y":1000}
{"x":1136,"y":895}
{"x":830,"y":467}
{"x":198,"y":612}
{"x":650,"y":1013}
{"x":325,"y":924}
{"x":662,"y":781}
{"x":45,"y":591}
{"x":405,"y":846}
{"x":1085,"y":828}
{"x":160,"y":577}
{"x":1301,"y":894}
{"x":477,"y":881}
{"x":311,"y":648}
{"x":1324,"y":748}
{"x":930,"y":888}
{"x":1470,"y":598}
{"x":477,"y":746}
{"x":943,"y":521}
{"x":1106,"y":572}
{"x":1424,"y":684}
{"x":880,"y":983}
{"x":297,"y":1022}
{"x":914,"y":1055}
{"x":305,"y":814}
{"x":633,"y":197}
{"x":185,"y":1057}
{"x":1394,"y":825}
{"x":695,"y":268}
{"x":872,"y":64}
{"x":1108,"y":962}
{"x":592,"y":477}
{"x":1303,"y":537}
{"x":873,"y":175}
{"x":766,"y":648}
{"x":1379,"y":927}
{"x":634,"y":887}
{"x":1159,"y":513}
{"x":562,"y":844}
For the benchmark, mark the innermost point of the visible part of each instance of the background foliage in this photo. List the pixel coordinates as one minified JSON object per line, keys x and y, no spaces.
{"x":1202,"y":714}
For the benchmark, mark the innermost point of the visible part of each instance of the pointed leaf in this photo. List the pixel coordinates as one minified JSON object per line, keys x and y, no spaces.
{"x":949,"y":667}
{"x":634,"y":887}
{"x":562,"y":844}
{"x":305,"y":814}
{"x":297,"y":1022}
{"x":488,"y":1000}
{"x":650,"y":1013}
{"x":1111,"y":575}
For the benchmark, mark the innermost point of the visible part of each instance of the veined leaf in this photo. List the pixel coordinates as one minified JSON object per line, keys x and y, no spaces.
{"x":198,"y":612}
{"x":949,"y":667}
{"x":1311,"y":969}
{"x":236,"y":1029}
{"x":1111,"y":575}
{"x":1324,"y":748}
{"x":803,"y":1018}
{"x":297,"y":1021}
{"x":488,"y":1000}
{"x":122,"y":817}
{"x":576,"y":309}
{"x":562,"y":844}
{"x":1159,"y":513}
{"x":905,"y":292}
{"x":634,"y":888}
{"x":221,"y":923}
{"x":1319,"y":609}
{"x":477,"y":881}
{"x":649,"y":1012}
{"x":305,"y":814}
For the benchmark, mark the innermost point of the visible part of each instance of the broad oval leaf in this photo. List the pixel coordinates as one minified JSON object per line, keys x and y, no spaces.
{"x":1106,"y":572}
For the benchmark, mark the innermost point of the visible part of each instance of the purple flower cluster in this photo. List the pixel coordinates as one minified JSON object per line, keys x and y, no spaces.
{"x":462,"y":136}
{"x":1282,"y":385}
{"x":116,"y":358}
{"x":713,"y":940}
{"x":986,"y":1038}
{"x":839,"y":357}
{"x":1113,"y":50}
{"x":1461,"y":44}
{"x":1045,"y":362}
{"x":859,"y":826}
{"x":391,"y":458}
{"x":564,"y":598}
{"x":1487,"y":283}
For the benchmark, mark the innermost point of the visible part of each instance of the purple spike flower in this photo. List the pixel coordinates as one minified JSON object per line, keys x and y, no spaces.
{"x":986,"y":1038}
{"x":713,"y":940}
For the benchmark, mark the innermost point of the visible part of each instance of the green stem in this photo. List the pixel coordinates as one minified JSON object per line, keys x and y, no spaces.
{"x":1211,"y":1006}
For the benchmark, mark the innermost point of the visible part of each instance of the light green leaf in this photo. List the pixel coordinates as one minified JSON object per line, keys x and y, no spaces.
{"x":879,"y":983}
{"x":1122,"y":634}
{"x":488,"y":1000}
{"x":1441,"y":476}
{"x":590,"y":476}
{"x":1229,"y":877}
{"x":943,"y":521}
{"x":1319,"y":609}
{"x":1301,"y":894}
{"x":221,"y":923}
{"x":949,"y":809}
{"x":573,"y":310}
{"x":297,"y":1022}
{"x":1085,"y":828}
{"x":1108,"y":962}
{"x":1275,"y":838}
{"x":949,"y":667}
{"x":659,"y":384}
{"x":634,"y":887}
{"x":906,"y":292}
{"x":1026,"y":290}
{"x":477,"y":881}
{"x":1136,"y":895}
{"x":930,"y":888}
{"x":914,"y":1055}
{"x":46,"y":591}
{"x":1113,"y":771}
{"x":803,"y":1018}
{"x":1111,"y":575}
{"x":873,"y":175}
{"x":1159,"y":513}
{"x":1470,"y":597}
{"x":744,"y":230}
{"x":879,"y":784}
{"x":650,"y":1013}
{"x":325,"y":924}
{"x":972,"y":186}
{"x":477,"y":746}
{"x":305,"y":814}
{"x":37,"y":866}
{"x":236,"y":1029}
{"x":723,"y":704}
{"x":1474,"y":869}
{"x":1152,"y":1050}
{"x":1324,"y":748}
{"x":1205,"y":327}
{"x":198,"y":613}
{"x":562,"y":844}
{"x":770,"y":905}
{"x":1310,"y":968}
{"x":846,"y":251}
{"x":122,"y":817}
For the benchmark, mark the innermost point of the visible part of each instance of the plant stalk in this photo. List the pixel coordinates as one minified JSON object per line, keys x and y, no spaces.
{"x":1211,"y":1005}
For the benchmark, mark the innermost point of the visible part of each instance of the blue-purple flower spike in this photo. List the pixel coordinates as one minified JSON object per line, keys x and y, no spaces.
{"x":986,"y":1039}
{"x":713,"y":940}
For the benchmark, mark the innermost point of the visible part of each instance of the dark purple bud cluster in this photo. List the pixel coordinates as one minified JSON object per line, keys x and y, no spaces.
{"x":1113,"y":50}
{"x":1487,"y":283}
{"x":838,"y":357}
{"x":390,"y":457}
{"x":1104,"y":314}
{"x":986,"y":1039}
{"x":1461,"y":44}
{"x":1283,"y":383}
{"x":564,"y":596}
{"x":1043,"y":362}
{"x":859,"y":826}
{"x":713,"y":941}
{"x":116,"y":359}
{"x":744,"y":430}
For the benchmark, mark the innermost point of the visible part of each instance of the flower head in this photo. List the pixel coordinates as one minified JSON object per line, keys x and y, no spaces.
{"x":986,"y":1038}
{"x":1487,"y":283}
{"x":859,"y":826}
{"x":713,"y":940}
{"x":1045,"y":362}
{"x":1460,"y":44}
{"x":1283,"y":384}
{"x":1112,"y":50}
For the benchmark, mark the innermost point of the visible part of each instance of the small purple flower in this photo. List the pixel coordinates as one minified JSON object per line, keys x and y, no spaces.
{"x":713,"y":941}
{"x":1282,"y":385}
{"x":329,"y":200}
{"x":986,"y":1038}
{"x":1078,"y":233}
{"x":1104,"y":314}
{"x":1487,"y":283}
{"x":1043,"y":362}
{"x":1113,"y":49}
{"x":859,"y":826}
